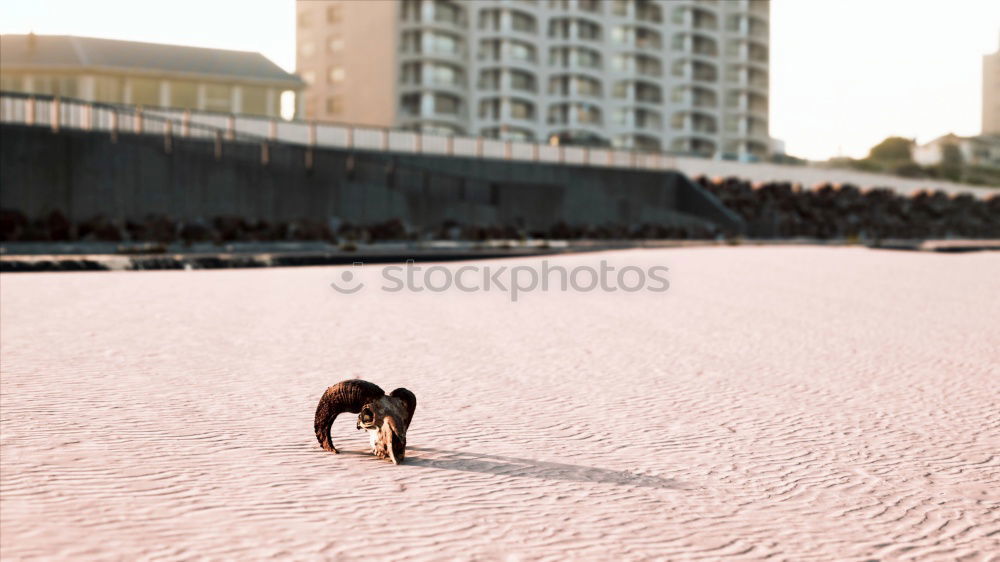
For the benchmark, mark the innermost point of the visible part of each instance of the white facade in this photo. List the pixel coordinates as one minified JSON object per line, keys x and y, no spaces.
{"x":983,"y":150}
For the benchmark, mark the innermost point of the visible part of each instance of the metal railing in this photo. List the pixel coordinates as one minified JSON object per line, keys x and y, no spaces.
{"x":68,"y":113}
{"x":49,"y":111}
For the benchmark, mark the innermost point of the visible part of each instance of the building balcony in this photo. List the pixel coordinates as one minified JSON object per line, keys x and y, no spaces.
{"x":698,"y":145}
{"x":649,"y":126}
{"x":580,"y":116}
{"x":755,"y":112}
{"x":579,"y":136}
{"x":494,"y":110}
{"x":505,"y":63}
{"x":414,"y":122}
{"x":638,"y":92}
{"x":634,"y":141}
{"x":695,"y":16}
{"x":408,"y":55}
{"x":639,"y":37}
{"x":432,"y":25}
{"x":428,"y":84}
{"x":492,"y":119}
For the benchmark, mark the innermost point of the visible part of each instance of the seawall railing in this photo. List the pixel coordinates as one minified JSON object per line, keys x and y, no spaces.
{"x":55,"y":112}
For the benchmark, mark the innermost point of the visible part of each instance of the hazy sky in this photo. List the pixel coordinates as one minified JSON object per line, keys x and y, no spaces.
{"x":844,"y":73}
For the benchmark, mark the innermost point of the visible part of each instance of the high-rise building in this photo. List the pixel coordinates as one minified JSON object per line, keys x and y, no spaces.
{"x":687,"y":76}
{"x":991,"y":94}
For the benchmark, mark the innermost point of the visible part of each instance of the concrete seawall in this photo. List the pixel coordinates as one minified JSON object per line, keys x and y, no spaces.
{"x":84,"y":174}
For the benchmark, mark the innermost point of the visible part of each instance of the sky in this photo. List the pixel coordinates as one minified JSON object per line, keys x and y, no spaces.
{"x":845,"y":74}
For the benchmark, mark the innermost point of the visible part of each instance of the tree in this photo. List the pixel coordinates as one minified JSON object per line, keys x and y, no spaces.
{"x":951,"y":155}
{"x":951,"y":161}
{"x":893,"y":150}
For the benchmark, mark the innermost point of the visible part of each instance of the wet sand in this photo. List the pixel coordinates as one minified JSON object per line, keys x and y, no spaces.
{"x":792,"y":402}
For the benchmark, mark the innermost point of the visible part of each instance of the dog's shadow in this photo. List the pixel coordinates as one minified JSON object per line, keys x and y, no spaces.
{"x":427,"y":457}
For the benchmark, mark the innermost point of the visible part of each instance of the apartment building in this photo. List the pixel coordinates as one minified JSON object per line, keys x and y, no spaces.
{"x":150,"y":74}
{"x":991,"y":94}
{"x":688,"y":76}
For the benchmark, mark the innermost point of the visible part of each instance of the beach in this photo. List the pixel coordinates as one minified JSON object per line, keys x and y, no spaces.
{"x":801,"y":402}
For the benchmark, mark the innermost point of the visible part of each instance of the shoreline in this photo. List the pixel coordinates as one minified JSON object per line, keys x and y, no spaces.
{"x":41,"y":257}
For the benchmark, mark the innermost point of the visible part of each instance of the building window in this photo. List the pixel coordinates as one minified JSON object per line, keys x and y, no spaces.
{"x":705,"y":72}
{"x":449,"y":75}
{"x":640,"y":37}
{"x":489,"y":109}
{"x":520,"y":80}
{"x":307,"y":49}
{"x":489,"y":80}
{"x":254,"y":100}
{"x":335,"y":75}
{"x":589,"y":59}
{"x":587,"y":86}
{"x":648,"y":93}
{"x":704,"y":97}
{"x":412,"y":73}
{"x":757,"y":53}
{"x":145,"y":91}
{"x":522,"y":22}
{"x":447,"y":12}
{"x":411,"y":42}
{"x":309,"y":76}
{"x":588,"y":115}
{"x":411,"y":11}
{"x":410,"y":104}
{"x":109,"y":89}
{"x":10,"y":83}
{"x":489,"y":19}
{"x":182,"y":94}
{"x":509,"y":133}
{"x":646,"y":11}
{"x":218,"y":97}
{"x":334,"y":44}
{"x":444,"y":104}
{"x":333,"y":14}
{"x":588,"y":30}
{"x":55,"y":85}
{"x":334,"y":105}
{"x":489,"y":49}
{"x":522,"y":51}
{"x":522,"y":110}
{"x":445,"y":43}
{"x":560,"y":28}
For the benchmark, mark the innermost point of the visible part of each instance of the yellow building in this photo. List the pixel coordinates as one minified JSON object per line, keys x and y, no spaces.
{"x":149,"y":74}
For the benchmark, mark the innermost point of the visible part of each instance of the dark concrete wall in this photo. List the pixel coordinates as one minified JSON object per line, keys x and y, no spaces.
{"x":85,"y":174}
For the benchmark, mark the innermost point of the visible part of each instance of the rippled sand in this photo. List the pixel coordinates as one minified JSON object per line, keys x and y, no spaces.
{"x":796,"y":402}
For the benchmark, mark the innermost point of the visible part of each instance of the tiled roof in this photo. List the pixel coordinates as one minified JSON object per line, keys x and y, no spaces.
{"x":64,"y":51}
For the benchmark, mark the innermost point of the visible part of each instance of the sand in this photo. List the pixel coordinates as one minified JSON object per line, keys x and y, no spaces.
{"x":788,"y":402}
